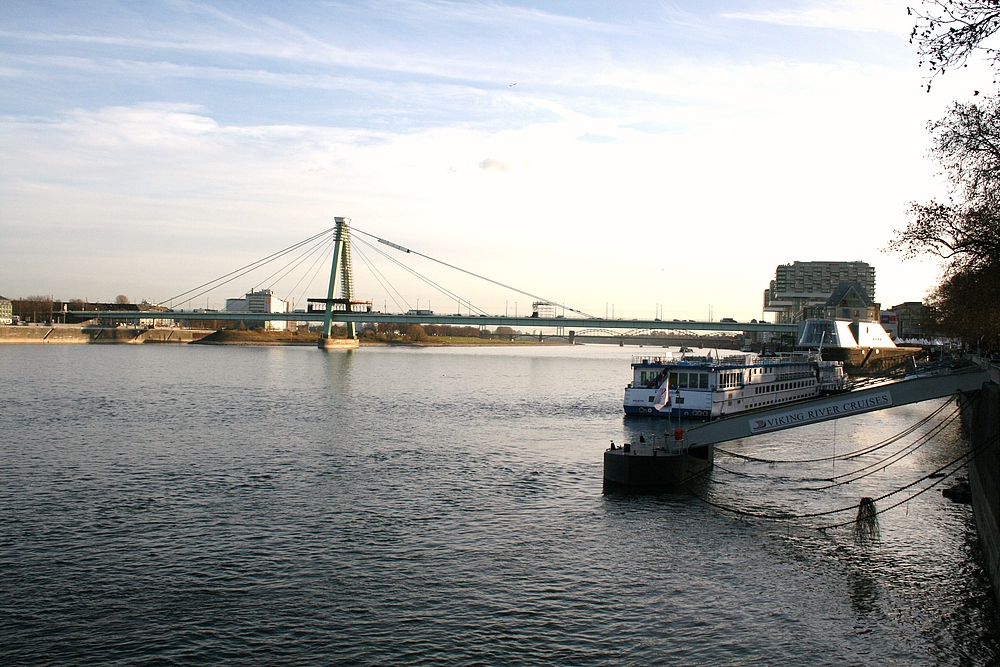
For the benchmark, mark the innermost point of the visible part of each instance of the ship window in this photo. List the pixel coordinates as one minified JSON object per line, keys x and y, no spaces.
{"x":682,"y":381}
{"x":703,"y":381}
{"x":673,"y":379}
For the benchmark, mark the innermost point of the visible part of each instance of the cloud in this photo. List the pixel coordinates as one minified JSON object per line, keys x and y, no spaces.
{"x":858,"y":15}
{"x":493,"y":164}
{"x":182,"y":194}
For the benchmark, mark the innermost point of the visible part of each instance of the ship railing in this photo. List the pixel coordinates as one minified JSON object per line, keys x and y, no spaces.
{"x":642,"y":359}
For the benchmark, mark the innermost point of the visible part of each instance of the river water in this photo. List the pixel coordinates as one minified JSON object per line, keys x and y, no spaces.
{"x":198,"y":505}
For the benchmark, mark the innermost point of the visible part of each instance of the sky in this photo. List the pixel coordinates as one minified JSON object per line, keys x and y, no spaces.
{"x":654,"y":158}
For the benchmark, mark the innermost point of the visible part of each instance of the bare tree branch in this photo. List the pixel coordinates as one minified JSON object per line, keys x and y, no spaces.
{"x":949,"y":31}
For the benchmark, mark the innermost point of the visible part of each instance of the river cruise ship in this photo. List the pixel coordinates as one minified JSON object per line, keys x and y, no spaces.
{"x":707,"y":387}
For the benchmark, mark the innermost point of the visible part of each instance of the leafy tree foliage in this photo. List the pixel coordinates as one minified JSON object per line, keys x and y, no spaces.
{"x":393,"y":331}
{"x":416,"y":333}
{"x":967,"y":304}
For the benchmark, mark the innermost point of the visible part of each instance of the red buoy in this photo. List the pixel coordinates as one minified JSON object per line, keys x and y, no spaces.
{"x":678,"y":433}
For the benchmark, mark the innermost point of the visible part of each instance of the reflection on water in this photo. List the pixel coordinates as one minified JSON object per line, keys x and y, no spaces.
{"x":196,"y":505}
{"x":864,"y":589}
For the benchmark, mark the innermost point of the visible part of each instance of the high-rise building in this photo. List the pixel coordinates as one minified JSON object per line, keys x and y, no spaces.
{"x":802,"y":285}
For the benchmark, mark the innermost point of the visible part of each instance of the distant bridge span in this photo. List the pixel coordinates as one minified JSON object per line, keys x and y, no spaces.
{"x":456,"y":320}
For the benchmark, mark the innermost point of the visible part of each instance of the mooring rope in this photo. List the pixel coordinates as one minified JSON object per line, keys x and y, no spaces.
{"x":972,"y":454}
{"x":881,"y":464}
{"x":811,"y":515}
{"x":896,"y":457}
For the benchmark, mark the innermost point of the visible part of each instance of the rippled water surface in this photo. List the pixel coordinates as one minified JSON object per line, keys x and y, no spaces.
{"x":234,"y":506}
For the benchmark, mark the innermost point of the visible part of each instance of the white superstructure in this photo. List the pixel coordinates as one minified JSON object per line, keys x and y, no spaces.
{"x":706,"y":387}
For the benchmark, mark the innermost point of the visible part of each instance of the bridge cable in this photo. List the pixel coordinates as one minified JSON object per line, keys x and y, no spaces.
{"x":210,"y":289}
{"x":375,"y":272}
{"x":246,"y":268}
{"x":427,"y":280}
{"x":292,"y":265}
{"x":475,"y":275}
{"x":314,"y":270}
{"x":412,"y":272}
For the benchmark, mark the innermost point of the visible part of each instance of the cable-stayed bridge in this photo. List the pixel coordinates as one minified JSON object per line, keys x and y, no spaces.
{"x":340,"y":305}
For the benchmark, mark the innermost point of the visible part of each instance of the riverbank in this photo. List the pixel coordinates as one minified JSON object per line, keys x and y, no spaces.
{"x":70,"y":334}
{"x":74,"y":334}
{"x":311,"y":338}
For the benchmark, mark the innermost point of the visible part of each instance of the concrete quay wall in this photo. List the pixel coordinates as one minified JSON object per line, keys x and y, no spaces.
{"x":983,"y":421}
{"x":63,"y":334}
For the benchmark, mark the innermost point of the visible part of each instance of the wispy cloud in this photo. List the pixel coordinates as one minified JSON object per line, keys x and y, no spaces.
{"x":860,"y":15}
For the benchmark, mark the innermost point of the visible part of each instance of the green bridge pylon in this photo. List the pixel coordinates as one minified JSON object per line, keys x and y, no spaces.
{"x":341,"y":280}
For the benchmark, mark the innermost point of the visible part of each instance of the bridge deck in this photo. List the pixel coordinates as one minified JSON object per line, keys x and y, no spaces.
{"x":574,"y":323}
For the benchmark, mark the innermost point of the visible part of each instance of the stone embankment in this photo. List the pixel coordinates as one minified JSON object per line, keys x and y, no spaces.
{"x":982,"y":417}
{"x":63,"y":334}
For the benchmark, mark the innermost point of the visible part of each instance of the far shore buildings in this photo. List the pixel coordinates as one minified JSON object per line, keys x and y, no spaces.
{"x":803,"y":289}
{"x":6,"y":311}
{"x":910,"y":320}
{"x":841,"y":291}
{"x":850,"y":301}
{"x":260,"y":301}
